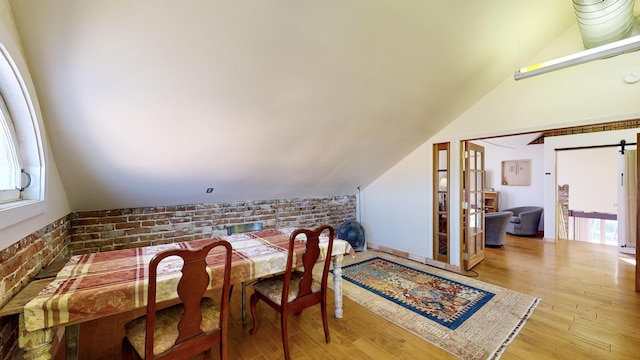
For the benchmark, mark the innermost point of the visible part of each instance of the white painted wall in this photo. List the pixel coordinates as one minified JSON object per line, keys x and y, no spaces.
{"x":512,"y":196}
{"x":57,"y":205}
{"x":584,"y":94}
{"x":396,"y":208}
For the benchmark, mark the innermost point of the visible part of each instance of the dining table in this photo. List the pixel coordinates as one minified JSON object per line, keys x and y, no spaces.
{"x":97,"y":285}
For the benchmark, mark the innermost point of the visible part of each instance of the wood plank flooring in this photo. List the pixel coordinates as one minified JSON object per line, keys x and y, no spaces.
{"x":589,"y":310}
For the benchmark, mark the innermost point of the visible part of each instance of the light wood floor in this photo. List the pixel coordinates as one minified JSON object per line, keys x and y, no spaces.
{"x":589,"y":310}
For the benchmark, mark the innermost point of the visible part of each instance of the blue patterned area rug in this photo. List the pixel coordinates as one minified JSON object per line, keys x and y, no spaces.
{"x":447,"y":302}
{"x":468,"y":318}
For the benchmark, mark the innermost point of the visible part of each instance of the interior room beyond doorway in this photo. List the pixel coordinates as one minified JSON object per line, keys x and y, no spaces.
{"x":587,"y":191}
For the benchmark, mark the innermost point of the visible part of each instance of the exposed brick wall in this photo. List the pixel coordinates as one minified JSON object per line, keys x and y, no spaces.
{"x":24,"y":259}
{"x":95,"y":231}
{"x":20,"y":263}
{"x":312,"y":212}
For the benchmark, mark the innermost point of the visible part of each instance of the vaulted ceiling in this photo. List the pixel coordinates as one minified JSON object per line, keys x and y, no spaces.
{"x":150,"y":102}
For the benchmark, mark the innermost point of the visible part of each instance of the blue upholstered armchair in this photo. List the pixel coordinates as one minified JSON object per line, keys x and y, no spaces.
{"x":495,"y":225}
{"x":525,"y":220}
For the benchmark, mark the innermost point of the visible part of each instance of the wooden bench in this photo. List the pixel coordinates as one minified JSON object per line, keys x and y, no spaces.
{"x":16,"y":305}
{"x":41,"y":280}
{"x":50,"y":271}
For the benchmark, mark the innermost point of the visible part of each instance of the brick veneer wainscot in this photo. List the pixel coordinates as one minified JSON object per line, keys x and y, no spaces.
{"x":20,"y":263}
{"x":95,"y":231}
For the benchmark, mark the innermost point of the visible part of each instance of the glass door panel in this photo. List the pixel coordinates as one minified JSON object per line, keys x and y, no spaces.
{"x":473,"y":204}
{"x":441,"y":202}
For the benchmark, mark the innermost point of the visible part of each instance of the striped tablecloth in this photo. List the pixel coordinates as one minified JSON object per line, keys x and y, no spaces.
{"x":101,"y":284}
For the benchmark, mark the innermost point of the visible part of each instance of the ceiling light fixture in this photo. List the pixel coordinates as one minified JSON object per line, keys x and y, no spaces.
{"x":604,"y":21}
{"x":608,"y":50}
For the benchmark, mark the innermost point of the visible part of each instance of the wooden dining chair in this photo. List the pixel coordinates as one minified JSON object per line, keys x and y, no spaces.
{"x":238,"y":229}
{"x":296,"y":290}
{"x":196,"y":325}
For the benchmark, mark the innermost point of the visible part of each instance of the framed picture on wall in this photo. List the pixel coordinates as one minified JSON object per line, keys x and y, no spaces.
{"x":516,"y":172}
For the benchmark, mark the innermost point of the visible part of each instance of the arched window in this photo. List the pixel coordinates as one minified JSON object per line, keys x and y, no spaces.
{"x":22,"y":170}
{"x":10,"y":164}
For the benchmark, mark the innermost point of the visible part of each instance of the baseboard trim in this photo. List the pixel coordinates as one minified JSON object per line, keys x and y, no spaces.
{"x":413,"y":257}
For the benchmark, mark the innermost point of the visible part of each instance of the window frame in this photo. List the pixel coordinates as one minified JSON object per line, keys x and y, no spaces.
{"x":27,"y":142}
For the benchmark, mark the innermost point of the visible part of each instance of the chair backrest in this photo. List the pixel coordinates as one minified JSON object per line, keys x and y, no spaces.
{"x":243,"y":228}
{"x":524,"y":209}
{"x":191,"y":289}
{"x":496,"y":226}
{"x":310,"y":257}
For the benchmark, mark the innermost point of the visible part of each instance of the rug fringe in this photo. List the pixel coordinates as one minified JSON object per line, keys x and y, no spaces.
{"x":498,"y":353}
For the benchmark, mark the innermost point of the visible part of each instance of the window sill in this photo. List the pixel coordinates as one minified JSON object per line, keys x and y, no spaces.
{"x":18,"y":211}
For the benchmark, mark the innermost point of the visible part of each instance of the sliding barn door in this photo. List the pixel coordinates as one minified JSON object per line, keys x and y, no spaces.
{"x":473,"y":204}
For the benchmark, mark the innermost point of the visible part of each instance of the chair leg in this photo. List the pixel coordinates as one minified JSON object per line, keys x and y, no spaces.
{"x":244,"y":303}
{"x":254,"y":313}
{"x":325,"y":323}
{"x":285,"y":337}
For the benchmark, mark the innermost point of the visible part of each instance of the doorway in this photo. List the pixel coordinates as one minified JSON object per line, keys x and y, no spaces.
{"x":589,"y":194}
{"x":548,"y":141}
